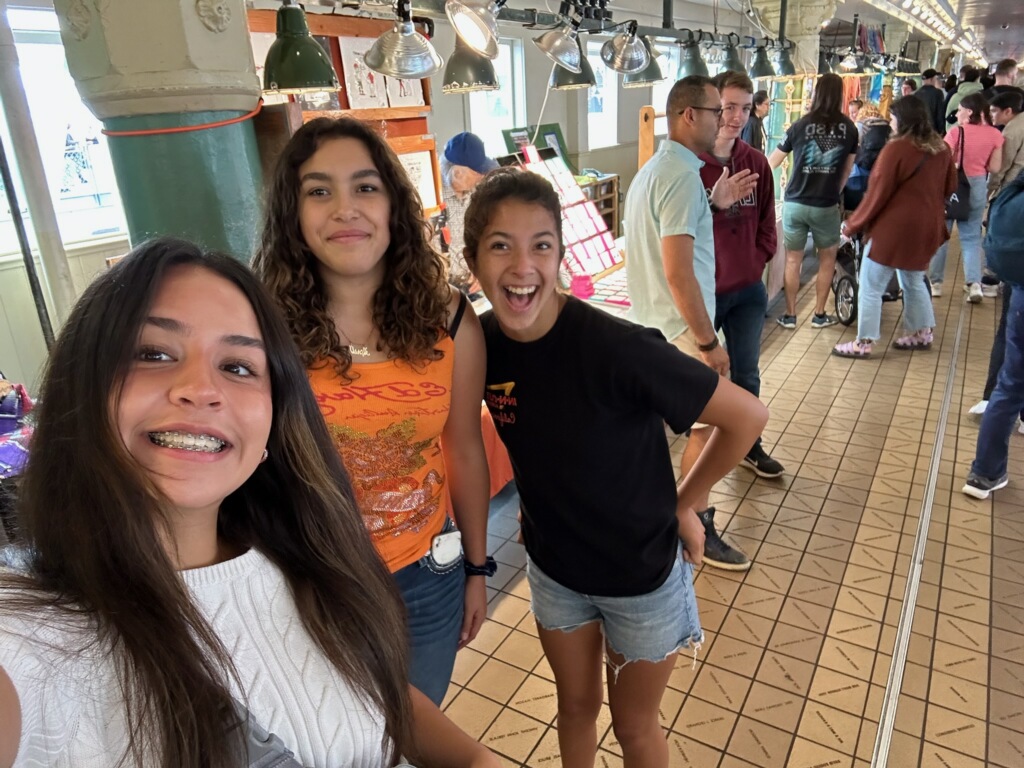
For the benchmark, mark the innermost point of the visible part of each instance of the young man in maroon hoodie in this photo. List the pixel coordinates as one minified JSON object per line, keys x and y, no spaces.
{"x":745,"y":242}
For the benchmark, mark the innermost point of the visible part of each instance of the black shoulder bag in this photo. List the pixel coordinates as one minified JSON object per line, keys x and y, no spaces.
{"x":958,"y":205}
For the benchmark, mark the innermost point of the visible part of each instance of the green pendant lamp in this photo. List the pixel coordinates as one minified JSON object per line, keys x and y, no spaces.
{"x":296,"y":63}
{"x":650,"y":75}
{"x":690,"y":60}
{"x":563,"y":79}
{"x":760,"y":67}
{"x":783,"y":61}
{"x":732,"y":61}
{"x":468,"y":71}
{"x":824,"y":68}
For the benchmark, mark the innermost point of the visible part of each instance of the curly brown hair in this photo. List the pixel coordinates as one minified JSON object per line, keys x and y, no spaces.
{"x":410,"y":307}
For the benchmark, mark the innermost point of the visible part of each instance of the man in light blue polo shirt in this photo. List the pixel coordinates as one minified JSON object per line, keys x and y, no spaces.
{"x":670,"y":254}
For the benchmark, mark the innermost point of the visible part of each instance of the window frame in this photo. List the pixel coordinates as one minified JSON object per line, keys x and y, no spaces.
{"x":476,"y":101}
{"x":610,"y":86}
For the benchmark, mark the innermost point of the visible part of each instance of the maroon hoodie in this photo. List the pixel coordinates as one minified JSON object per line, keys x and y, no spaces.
{"x":745,"y":236}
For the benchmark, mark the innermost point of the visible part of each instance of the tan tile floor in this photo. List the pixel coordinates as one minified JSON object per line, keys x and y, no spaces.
{"x":798,"y":650}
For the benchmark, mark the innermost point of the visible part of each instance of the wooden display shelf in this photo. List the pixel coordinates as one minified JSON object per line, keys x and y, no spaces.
{"x":369,"y":115}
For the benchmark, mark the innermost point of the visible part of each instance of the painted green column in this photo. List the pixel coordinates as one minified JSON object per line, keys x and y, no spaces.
{"x":152,"y":65}
{"x":201,"y":185}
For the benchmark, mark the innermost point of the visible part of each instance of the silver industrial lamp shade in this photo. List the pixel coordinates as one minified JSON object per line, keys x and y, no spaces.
{"x":648,"y":75}
{"x":563,"y":79}
{"x":476,"y":24}
{"x":625,"y":53}
{"x":691,"y":62}
{"x":760,"y":67}
{"x":560,"y":45}
{"x":468,"y":71}
{"x":403,"y":52}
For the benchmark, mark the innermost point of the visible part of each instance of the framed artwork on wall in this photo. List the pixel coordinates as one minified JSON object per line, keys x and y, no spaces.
{"x":404,"y":93}
{"x":366,"y":89}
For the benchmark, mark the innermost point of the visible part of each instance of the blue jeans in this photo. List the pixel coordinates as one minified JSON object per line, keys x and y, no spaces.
{"x":970,"y":237}
{"x":435,"y":604}
{"x":1007,"y":399}
{"x":874,"y":281}
{"x":740,"y":314}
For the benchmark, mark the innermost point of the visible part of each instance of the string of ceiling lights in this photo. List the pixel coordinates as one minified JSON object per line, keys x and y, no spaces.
{"x":296,"y":63}
{"x":938,"y":20}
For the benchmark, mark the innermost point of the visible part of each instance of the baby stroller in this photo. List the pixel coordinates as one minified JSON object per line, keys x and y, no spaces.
{"x":845,"y":282}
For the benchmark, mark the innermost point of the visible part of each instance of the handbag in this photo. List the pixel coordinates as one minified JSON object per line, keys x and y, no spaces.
{"x":958,"y":205}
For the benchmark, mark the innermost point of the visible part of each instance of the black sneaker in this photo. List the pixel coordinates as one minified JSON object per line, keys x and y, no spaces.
{"x":717,"y":553}
{"x":760,"y":463}
{"x":787,"y":321}
{"x":976,"y":486}
{"x":822,"y":321}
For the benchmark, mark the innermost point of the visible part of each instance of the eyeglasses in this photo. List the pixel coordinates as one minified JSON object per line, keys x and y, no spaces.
{"x":717,"y":110}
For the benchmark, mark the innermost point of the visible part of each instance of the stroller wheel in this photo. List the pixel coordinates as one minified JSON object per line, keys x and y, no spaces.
{"x":846,"y":299}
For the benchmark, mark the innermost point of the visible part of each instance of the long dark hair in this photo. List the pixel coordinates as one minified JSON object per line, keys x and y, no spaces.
{"x":411,"y":305}
{"x":914,"y":124}
{"x":92,"y":521}
{"x":978,"y":105}
{"x":827,"y":101}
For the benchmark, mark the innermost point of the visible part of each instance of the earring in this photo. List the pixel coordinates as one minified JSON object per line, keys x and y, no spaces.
{"x":266,"y":453}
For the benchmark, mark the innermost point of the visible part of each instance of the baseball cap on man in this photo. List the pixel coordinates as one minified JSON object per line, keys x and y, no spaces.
{"x":928,"y":74}
{"x":467,"y":149}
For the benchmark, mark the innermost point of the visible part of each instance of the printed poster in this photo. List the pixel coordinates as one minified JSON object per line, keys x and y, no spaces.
{"x":366,"y":88}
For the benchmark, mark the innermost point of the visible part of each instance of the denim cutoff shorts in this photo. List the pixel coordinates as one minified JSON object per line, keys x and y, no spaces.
{"x":647,"y":627}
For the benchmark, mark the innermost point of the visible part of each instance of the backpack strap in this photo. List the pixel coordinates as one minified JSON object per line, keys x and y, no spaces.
{"x":453,"y":327}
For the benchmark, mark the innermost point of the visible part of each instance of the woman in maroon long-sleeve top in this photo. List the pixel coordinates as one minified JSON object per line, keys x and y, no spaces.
{"x":903,"y":218}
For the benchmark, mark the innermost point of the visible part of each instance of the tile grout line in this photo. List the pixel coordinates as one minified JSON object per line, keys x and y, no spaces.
{"x":890,"y":702}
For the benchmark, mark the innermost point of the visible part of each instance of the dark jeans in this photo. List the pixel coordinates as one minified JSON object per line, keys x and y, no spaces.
{"x":740,"y":314}
{"x":1007,"y":399}
{"x":995,"y":360}
{"x":434,"y":603}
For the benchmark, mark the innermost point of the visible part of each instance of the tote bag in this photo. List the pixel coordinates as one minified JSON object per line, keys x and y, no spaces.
{"x":958,"y":205}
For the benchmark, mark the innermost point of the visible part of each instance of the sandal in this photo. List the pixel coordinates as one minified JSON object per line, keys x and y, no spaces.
{"x":920,"y":340}
{"x":861,"y":349}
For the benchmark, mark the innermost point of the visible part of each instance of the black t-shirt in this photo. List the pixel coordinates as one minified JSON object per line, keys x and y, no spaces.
{"x":582,"y":413}
{"x":819,"y":152}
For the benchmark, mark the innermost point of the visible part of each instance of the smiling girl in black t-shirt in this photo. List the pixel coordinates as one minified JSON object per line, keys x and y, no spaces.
{"x":580,"y":399}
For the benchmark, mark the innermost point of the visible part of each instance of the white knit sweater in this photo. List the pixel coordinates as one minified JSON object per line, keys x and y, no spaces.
{"x":72,"y":708}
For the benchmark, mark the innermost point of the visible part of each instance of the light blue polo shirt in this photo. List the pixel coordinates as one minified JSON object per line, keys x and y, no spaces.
{"x":666,"y":198}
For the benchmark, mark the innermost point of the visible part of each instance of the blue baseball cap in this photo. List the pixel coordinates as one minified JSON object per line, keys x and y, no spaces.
{"x":467,"y":149}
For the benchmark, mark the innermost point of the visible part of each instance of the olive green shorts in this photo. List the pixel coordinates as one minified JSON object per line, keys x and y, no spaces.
{"x":799,"y":219}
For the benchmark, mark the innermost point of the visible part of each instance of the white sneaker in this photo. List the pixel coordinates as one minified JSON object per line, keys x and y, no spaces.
{"x":974,"y":294}
{"x":1020,"y":426}
{"x":978,"y":408}
{"x":989,"y":291}
{"x":936,"y":290}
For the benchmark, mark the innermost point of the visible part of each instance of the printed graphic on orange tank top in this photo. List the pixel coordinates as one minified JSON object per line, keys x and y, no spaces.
{"x":383,"y":469}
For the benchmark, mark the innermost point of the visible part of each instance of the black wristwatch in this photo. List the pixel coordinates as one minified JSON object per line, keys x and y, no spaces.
{"x":487,"y":569}
{"x":714,"y":208}
{"x":709,"y":346}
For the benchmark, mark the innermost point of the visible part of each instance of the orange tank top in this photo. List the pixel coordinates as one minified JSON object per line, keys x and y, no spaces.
{"x":387,"y":425}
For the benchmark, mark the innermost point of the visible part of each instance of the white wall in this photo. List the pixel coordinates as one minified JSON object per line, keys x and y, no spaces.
{"x":22,"y":348}
{"x":450,"y":113}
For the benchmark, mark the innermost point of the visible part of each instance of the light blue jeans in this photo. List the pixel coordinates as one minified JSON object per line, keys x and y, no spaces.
{"x":970,"y":237}
{"x":874,"y":280}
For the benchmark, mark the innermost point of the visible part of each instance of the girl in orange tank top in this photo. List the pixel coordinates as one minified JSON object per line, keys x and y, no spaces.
{"x":396,"y":360}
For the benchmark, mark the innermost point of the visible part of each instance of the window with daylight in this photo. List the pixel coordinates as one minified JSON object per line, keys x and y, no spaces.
{"x":74,"y":152}
{"x":490,"y":112}
{"x":669,"y":63}
{"x":602,"y":102}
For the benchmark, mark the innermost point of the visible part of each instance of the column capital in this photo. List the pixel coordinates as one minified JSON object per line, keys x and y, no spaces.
{"x":201,"y":60}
